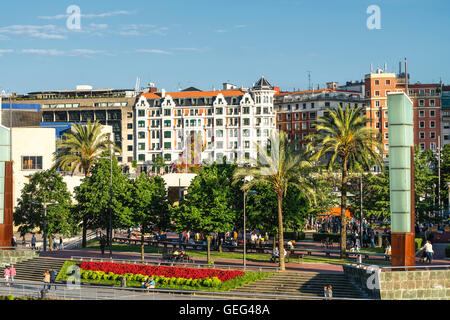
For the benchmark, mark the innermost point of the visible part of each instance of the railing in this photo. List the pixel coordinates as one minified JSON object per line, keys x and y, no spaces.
{"x":87,"y":292}
{"x":386,"y":268}
{"x":173,"y":263}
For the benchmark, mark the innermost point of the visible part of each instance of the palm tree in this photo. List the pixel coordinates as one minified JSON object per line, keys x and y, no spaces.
{"x":344,"y":140}
{"x":80,"y":149}
{"x":280,"y":167}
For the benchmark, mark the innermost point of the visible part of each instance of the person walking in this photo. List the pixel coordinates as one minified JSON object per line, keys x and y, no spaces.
{"x":52,"y":278}
{"x":55,"y":243}
{"x":46,"y":280}
{"x":61,"y":245}
{"x":428,"y":248}
{"x":102,"y":244}
{"x":13,"y":242}
{"x":33,"y":242}
{"x":12,"y":273}
{"x":6,"y":274}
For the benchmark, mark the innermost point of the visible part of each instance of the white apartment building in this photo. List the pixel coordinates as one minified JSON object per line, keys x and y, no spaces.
{"x":193,"y":126}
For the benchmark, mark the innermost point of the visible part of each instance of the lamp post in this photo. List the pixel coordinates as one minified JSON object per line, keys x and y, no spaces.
{"x":361,"y":211}
{"x":110,"y":204}
{"x":245,"y":226}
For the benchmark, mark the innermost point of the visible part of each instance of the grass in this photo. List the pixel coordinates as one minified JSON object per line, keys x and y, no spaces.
{"x":248,"y":277}
{"x":254,"y":257}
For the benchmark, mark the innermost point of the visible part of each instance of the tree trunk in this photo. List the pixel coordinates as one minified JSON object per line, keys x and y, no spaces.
{"x":280,"y":232}
{"x":343,"y":211}
{"x":274,"y":242}
{"x":142,"y":246}
{"x":208,"y":245}
{"x":84,"y":237}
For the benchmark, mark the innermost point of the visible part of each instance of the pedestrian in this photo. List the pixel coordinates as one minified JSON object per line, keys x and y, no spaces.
{"x":13,"y":242}
{"x":61,"y":245}
{"x":52,"y":278}
{"x":33,"y":242}
{"x":12,"y":273}
{"x":325,"y":291}
{"x":46,"y":280}
{"x":102,"y":244}
{"x":330,"y":291}
{"x":428,"y":248}
{"x":55,"y":243}
{"x":6,"y":274}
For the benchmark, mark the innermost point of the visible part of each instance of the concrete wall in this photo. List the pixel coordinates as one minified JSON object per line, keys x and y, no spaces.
{"x":402,"y":285}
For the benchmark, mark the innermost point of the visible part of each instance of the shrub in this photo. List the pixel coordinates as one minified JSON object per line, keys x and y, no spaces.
{"x":322,"y":236}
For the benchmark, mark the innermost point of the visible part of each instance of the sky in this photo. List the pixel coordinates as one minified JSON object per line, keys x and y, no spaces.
{"x":203,"y":43}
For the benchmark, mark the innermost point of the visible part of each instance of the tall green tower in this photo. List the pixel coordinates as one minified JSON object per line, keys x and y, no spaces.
{"x":401,"y":172}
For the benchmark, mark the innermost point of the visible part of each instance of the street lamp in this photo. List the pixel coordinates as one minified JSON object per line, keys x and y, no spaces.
{"x":245,"y":227}
{"x":110,"y":200}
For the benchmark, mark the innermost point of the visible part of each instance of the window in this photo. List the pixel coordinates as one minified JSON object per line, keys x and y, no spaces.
{"x":280,"y":117}
{"x":422,"y":146}
{"x":386,"y":135}
{"x":388,"y":82}
{"x":377,"y":103}
{"x":422,"y":124}
{"x":421,"y":103}
{"x":32,"y":163}
{"x":129,"y":126}
{"x":421,"y":113}
{"x":167,"y":134}
{"x":246,"y":121}
{"x":167,"y":145}
{"x":312,"y":115}
{"x":432,"y":135}
{"x":130,"y":148}
{"x":219,"y":122}
{"x":432,"y":113}
{"x":386,"y":124}
{"x":219,"y":133}
{"x":141,"y":113}
{"x":141,"y":146}
{"x":377,"y":114}
{"x":433,"y":146}
{"x":377,"y":82}
{"x":432,"y":124}
{"x":130,"y":114}
{"x":141,"y":157}
{"x":130,"y":137}
{"x":141,"y":124}
{"x":377,"y":93}
{"x":422,"y":135}
{"x":377,"y":125}
{"x":141,"y":135}
{"x":432,"y":102}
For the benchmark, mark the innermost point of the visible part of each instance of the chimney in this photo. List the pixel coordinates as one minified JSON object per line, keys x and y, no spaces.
{"x":163,"y":93}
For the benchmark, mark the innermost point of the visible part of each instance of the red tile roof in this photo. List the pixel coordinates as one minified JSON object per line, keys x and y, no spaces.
{"x":195,"y":94}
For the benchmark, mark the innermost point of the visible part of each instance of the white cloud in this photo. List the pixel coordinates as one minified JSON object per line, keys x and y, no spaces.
{"x":42,"y":32}
{"x":69,"y":53}
{"x":157,"y":51}
{"x":240,"y":26}
{"x":101,"y":26}
{"x":3,"y":51}
{"x":90,"y":16}
{"x":142,"y":30}
{"x":221,"y":31}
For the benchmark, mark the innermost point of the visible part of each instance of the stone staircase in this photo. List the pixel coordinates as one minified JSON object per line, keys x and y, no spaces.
{"x":33,"y":270}
{"x":303,"y":284}
{"x":8,"y":257}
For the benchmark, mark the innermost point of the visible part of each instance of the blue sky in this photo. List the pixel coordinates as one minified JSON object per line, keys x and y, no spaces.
{"x":203,"y":43}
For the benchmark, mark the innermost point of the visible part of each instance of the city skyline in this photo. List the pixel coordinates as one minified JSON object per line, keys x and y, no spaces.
{"x":203,"y":44}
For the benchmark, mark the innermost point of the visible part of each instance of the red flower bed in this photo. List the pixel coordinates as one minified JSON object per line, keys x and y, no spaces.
{"x":187,"y":273}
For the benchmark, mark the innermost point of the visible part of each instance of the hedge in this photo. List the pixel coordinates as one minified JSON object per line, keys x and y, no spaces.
{"x":322,"y":236}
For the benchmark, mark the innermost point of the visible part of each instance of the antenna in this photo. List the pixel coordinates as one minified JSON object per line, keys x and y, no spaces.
{"x":309,"y":80}
{"x":138,"y":84}
{"x":406,"y":76}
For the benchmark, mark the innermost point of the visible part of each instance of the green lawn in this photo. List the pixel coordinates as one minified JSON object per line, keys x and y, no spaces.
{"x":254,"y":257}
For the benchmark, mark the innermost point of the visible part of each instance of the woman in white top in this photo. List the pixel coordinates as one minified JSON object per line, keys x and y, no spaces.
{"x":428,"y":250}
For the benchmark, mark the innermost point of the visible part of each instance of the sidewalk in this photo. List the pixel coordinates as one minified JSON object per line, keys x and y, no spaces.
{"x":295,"y":267}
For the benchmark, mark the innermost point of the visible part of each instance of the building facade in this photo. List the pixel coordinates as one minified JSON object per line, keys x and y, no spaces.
{"x":192,"y":126}
{"x":426,"y":108}
{"x":61,"y":109}
{"x":297,"y":112}
{"x":445,"y":115}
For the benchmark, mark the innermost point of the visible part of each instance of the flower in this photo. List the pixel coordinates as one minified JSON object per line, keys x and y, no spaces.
{"x":166,"y":271}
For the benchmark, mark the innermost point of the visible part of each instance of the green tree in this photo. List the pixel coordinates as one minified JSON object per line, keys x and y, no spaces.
{"x":262,"y":209}
{"x":94,"y":197}
{"x":211,"y":204}
{"x":345,"y":142}
{"x":80,"y":150}
{"x":149,"y":205}
{"x":445,"y":174}
{"x":45,"y":187}
{"x":280,"y":165}
{"x":159,"y":163}
{"x":425,"y":184}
